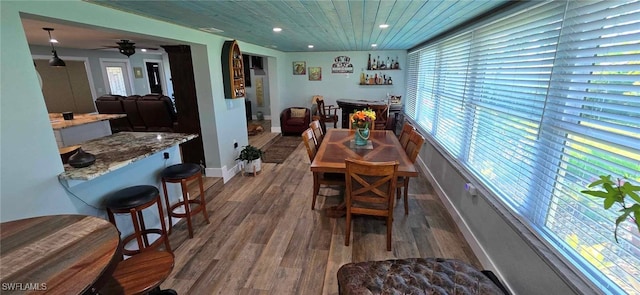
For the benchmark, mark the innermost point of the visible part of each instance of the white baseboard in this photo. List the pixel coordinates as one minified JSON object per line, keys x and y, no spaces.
{"x":224,"y":173}
{"x":276,"y":130}
{"x":475,"y":245}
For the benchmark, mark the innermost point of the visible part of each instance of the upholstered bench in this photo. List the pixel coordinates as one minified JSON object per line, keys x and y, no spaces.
{"x":415,"y":276}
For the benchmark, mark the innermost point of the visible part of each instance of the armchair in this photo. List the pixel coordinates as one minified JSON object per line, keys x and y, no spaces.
{"x":295,"y":120}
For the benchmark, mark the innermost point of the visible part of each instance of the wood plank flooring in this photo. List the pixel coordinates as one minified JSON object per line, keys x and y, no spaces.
{"x":265,"y":239}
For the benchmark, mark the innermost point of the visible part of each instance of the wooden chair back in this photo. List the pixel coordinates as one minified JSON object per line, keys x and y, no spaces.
{"x":414,"y":145}
{"x":318,"y":135}
{"x":309,"y":143}
{"x":370,"y":188}
{"x":407,"y":129}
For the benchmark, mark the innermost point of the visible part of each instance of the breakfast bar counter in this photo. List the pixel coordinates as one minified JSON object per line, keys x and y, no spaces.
{"x":58,"y":122}
{"x":121,"y":149}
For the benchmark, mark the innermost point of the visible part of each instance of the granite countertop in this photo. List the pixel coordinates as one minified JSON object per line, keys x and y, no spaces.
{"x":57,"y":122}
{"x":118,"y":150}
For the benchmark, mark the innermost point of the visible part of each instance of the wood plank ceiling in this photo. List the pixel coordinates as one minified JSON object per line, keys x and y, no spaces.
{"x":338,"y":25}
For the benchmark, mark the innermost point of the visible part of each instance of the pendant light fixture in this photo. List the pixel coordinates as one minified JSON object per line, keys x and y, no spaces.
{"x":55,"y":61}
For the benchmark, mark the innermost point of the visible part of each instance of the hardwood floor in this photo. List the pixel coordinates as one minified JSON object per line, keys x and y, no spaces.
{"x":265,"y":239}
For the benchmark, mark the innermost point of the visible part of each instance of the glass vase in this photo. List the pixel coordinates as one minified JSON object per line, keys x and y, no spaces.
{"x":361,"y":136}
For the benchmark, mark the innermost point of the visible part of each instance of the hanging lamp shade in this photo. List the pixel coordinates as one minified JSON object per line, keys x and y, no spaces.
{"x":55,"y":61}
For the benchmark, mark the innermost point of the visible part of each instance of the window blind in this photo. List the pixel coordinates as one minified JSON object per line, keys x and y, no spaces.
{"x":537,"y":105}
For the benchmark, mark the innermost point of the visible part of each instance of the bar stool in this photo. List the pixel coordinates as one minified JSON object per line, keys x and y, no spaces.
{"x":133,"y":200}
{"x":182,"y":173}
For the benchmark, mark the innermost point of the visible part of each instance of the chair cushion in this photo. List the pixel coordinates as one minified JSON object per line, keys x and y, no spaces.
{"x":298,"y":113}
{"x":414,"y":276}
{"x":182,"y":170}
{"x":131,"y":197}
{"x":296,"y":122}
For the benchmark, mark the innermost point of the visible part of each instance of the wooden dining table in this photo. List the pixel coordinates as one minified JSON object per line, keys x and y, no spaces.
{"x":58,"y":254}
{"x":338,"y":145}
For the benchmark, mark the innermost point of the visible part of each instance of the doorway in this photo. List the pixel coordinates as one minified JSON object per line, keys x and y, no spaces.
{"x":116,"y":76}
{"x":154,"y":75}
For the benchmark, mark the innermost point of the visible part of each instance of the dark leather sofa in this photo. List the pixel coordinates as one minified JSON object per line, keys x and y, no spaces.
{"x":294,"y":125}
{"x":151,"y":112}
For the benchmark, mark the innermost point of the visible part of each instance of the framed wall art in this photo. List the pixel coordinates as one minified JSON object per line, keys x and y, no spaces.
{"x":137,"y":72}
{"x":299,"y":67}
{"x":315,"y":73}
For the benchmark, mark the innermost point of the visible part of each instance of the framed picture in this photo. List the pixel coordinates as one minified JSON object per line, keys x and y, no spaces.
{"x":137,"y":72}
{"x":315,"y":73}
{"x":342,"y":65}
{"x":299,"y":67}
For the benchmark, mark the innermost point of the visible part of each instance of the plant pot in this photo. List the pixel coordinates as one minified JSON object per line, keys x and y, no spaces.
{"x":361,"y":136}
{"x":253,"y":167}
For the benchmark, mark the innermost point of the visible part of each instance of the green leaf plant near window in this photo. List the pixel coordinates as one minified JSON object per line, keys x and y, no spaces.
{"x":617,"y":192}
{"x":250,"y":153}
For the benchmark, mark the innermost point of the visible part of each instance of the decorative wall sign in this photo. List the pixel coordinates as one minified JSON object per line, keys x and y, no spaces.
{"x":315,"y":73}
{"x":341,"y":65}
{"x":137,"y":72}
{"x":299,"y":67}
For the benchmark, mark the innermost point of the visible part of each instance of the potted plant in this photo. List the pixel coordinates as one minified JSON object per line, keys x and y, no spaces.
{"x":617,"y":192}
{"x":252,"y":158}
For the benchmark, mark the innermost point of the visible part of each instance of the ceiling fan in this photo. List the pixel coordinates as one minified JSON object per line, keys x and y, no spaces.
{"x":127,"y":47}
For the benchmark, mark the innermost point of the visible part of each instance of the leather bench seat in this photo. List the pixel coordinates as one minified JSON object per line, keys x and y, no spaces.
{"x":415,"y":276}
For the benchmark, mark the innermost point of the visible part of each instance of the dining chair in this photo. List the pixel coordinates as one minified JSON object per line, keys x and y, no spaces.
{"x":319,"y":177}
{"x":414,"y":144}
{"x":318,"y":135}
{"x":407,"y":129}
{"x":369,"y":191}
{"x":327,"y":114}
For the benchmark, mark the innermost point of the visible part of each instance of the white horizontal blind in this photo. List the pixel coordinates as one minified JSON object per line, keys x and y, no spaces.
{"x":592,"y":127}
{"x":510,"y":69}
{"x":449,"y":87}
{"x":412,"y":84}
{"x":426,"y":87}
{"x":536,"y":105}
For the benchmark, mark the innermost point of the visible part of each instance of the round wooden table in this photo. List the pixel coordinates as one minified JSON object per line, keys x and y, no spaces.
{"x":59,"y":254}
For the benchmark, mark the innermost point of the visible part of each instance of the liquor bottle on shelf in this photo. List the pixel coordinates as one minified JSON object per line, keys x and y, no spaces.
{"x":375,"y":79}
{"x":362,"y":78}
{"x":397,"y":65}
{"x":378,"y":64}
{"x":389,"y":81}
{"x":373,"y":64}
{"x":369,"y":62}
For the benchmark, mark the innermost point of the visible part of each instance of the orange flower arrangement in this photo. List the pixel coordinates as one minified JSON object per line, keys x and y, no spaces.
{"x":362,"y":119}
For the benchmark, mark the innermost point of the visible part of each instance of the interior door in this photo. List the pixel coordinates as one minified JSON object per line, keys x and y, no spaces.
{"x":155,"y":77}
{"x":117,"y":78}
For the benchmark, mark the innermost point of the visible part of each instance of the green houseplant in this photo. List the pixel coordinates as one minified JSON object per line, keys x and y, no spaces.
{"x":617,"y":192}
{"x":252,"y":158}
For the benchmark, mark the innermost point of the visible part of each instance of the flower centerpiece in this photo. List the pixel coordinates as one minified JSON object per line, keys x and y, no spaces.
{"x":360,"y":121}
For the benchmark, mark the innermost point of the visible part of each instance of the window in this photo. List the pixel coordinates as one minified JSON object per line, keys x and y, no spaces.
{"x":536,"y":105}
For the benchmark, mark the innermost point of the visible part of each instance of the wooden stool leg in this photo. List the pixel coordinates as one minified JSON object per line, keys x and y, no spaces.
{"x":203,"y":202}
{"x":136,"y":228}
{"x":164,"y":235}
{"x":143,"y":228}
{"x":166,"y":201}
{"x":187,"y":208}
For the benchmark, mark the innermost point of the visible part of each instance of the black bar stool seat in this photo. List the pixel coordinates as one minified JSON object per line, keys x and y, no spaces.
{"x":133,"y":200}
{"x":183,"y":173}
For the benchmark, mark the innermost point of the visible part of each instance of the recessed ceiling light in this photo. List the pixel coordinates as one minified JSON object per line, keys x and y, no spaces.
{"x":277,"y":29}
{"x":310,"y":46}
{"x":374,"y":45}
{"x":53,"y":40}
{"x":384,"y":26}
{"x":143,"y":50}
